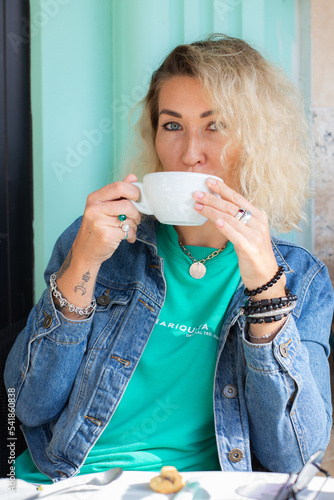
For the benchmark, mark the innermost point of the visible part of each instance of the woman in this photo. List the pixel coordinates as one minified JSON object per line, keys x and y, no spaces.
{"x":166,"y":369}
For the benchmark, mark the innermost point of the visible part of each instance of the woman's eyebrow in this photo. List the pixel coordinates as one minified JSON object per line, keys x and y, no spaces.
{"x":206,"y":113}
{"x":178,"y":115}
{"x":170,"y":112}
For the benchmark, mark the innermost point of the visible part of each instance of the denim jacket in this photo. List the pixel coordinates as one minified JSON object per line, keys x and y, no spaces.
{"x":271,"y":401}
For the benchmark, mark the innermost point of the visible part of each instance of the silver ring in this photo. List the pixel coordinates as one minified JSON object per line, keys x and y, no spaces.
{"x":243,"y":215}
{"x":246,"y":216}
{"x":125,"y":228}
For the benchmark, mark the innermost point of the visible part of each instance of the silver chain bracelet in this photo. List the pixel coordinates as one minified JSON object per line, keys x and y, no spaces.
{"x":65,"y":303}
{"x":269,"y":334}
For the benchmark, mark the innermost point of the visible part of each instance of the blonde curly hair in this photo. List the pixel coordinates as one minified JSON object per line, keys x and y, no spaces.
{"x":262,"y":114}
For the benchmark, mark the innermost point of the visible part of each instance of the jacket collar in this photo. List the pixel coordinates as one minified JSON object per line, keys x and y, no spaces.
{"x":279,"y":257}
{"x":147,"y":230}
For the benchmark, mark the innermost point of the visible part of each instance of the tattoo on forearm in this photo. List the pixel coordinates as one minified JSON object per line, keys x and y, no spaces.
{"x":82,"y":284}
{"x":66,"y":264}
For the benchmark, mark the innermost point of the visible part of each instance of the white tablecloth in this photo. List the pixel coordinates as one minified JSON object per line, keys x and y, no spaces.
{"x":135,"y":486}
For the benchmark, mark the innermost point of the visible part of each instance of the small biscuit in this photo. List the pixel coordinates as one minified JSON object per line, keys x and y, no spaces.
{"x":169,"y":481}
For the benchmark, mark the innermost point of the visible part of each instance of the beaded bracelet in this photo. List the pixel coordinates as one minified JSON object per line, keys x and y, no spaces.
{"x":265,"y":305}
{"x":269,"y":310}
{"x":270,"y":283}
{"x":81,"y":311}
{"x":269,"y":317}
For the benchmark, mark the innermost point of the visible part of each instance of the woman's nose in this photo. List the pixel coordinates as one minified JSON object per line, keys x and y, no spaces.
{"x":193,"y":151}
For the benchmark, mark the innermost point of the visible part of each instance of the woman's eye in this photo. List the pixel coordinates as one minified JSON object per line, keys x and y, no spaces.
{"x":212,"y":126}
{"x":172,"y":126}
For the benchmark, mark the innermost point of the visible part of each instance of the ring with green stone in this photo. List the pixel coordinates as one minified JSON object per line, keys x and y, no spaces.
{"x":122,"y":217}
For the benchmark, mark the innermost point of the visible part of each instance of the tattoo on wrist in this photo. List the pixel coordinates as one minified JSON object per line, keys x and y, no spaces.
{"x":81,"y":285}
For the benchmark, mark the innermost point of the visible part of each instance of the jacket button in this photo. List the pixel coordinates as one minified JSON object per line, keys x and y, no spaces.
{"x":284,"y":351}
{"x":47,"y":322}
{"x":230,"y":391}
{"x":236,"y":455}
{"x":103,"y":300}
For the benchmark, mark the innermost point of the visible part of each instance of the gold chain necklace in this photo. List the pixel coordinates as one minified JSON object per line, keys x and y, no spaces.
{"x":197,"y":269}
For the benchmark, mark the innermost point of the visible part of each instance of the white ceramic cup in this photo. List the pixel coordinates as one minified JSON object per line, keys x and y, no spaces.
{"x":169,"y":197}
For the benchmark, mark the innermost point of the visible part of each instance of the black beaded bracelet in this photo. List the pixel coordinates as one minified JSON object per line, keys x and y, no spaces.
{"x":270,"y":283}
{"x":258,"y":306}
{"x":268,"y":319}
{"x":268,"y":316}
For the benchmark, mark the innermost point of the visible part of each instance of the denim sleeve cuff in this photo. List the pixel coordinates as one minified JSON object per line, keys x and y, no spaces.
{"x":56,"y":326}
{"x":275,"y":355}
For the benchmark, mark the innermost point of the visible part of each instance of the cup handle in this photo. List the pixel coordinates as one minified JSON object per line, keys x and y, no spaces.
{"x":142,"y":205}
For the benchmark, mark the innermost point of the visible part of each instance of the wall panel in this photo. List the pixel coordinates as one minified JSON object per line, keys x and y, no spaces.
{"x":91,"y":63}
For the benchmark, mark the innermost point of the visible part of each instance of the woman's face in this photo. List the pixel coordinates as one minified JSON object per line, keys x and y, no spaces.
{"x":187,"y":138}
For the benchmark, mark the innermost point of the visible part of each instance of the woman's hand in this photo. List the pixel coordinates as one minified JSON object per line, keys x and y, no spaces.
{"x":100,"y":233}
{"x":252,"y":242}
{"x":99,"y":236}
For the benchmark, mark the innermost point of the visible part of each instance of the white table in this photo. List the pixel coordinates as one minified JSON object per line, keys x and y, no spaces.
{"x":135,"y":486}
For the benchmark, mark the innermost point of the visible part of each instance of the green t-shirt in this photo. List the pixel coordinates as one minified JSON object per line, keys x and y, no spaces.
{"x":166,"y":414}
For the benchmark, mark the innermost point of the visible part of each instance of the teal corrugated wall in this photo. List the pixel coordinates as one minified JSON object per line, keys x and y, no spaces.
{"x":90,"y":63}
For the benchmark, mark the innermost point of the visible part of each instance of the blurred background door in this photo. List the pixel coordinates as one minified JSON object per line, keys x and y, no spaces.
{"x":16,"y":252}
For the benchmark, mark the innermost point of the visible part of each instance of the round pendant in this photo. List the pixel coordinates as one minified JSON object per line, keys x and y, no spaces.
{"x":197,"y":270}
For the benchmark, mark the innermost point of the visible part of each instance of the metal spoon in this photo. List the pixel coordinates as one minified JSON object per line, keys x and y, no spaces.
{"x":100,"y":480}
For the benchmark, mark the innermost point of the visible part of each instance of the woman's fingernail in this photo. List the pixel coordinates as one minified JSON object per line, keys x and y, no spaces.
{"x":199,"y":194}
{"x":212,"y":181}
{"x":220,"y":222}
{"x":199,"y":206}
